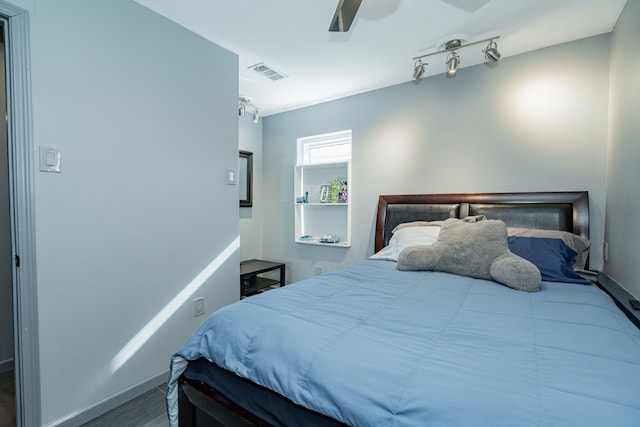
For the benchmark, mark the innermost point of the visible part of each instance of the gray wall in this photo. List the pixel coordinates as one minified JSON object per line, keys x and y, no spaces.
{"x":536,"y":122}
{"x":6,"y":281}
{"x":144,"y":113}
{"x":251,"y":218}
{"x":623,"y":174}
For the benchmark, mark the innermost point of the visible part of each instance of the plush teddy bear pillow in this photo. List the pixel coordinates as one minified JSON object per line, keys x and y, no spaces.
{"x":475,"y":249}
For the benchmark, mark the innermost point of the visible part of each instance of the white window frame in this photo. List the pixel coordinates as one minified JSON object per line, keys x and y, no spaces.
{"x":335,"y":139}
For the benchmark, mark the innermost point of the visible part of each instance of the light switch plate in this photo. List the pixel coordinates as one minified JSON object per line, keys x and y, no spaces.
{"x":231,"y":176}
{"x":49,"y":159}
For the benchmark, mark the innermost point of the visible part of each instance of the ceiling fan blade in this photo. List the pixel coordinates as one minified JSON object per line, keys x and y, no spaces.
{"x":345,"y":13}
{"x":467,"y":5}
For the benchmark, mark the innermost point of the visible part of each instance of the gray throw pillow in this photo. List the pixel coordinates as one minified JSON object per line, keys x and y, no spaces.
{"x":474,"y":249}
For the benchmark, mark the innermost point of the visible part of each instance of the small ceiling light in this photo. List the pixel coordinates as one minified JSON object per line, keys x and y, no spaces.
{"x":453,"y":61}
{"x":418,"y":69}
{"x":245,"y":102}
{"x":491,"y":53}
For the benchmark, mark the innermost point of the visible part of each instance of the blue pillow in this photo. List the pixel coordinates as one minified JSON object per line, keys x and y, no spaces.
{"x":553,"y":257}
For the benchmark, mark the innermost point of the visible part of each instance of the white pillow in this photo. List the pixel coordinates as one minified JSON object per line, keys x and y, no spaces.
{"x":405,"y":237}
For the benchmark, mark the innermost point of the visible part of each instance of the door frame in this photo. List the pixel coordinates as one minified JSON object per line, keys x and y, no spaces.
{"x":22,"y":204}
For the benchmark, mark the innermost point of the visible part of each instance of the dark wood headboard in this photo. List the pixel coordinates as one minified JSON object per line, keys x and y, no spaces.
{"x":568,"y":211}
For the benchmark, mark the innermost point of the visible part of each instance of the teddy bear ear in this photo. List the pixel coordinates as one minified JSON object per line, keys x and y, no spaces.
{"x":515,"y":272}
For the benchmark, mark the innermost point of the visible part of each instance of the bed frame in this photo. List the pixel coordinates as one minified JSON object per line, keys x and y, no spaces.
{"x":202,"y":405}
{"x":568,"y":211}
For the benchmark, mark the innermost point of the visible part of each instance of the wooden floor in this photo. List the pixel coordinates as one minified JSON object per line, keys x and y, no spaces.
{"x":7,"y":400}
{"x":147,"y":410}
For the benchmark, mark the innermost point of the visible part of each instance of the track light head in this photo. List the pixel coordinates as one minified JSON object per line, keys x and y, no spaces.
{"x":243,"y":103}
{"x":491,"y":53}
{"x":418,"y":69}
{"x":453,"y":61}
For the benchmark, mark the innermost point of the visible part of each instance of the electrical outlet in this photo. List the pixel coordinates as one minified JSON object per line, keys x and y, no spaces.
{"x":318,"y":270}
{"x":198,"y":307}
{"x":605,"y":251}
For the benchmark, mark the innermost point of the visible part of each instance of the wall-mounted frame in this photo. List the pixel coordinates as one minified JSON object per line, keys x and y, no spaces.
{"x":245,"y":179}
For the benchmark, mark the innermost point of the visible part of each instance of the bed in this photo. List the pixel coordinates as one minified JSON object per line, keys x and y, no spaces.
{"x":371,"y":345}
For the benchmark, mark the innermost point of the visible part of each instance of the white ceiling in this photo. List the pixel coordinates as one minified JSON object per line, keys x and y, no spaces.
{"x":292,"y":37}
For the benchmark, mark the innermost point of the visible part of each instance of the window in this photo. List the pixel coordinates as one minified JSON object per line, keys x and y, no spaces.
{"x":323,"y":191}
{"x":327,"y":148}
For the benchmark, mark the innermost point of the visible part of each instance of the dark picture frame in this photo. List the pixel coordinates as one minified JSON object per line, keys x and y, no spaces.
{"x":245,"y":178}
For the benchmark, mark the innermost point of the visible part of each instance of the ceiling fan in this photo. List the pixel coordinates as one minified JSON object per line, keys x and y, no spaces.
{"x":345,"y":13}
{"x":347,"y":9}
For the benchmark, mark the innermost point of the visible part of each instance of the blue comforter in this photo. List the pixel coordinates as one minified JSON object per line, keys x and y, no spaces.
{"x":373,"y":346}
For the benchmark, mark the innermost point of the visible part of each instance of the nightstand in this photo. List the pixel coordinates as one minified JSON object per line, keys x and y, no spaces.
{"x":250,"y":280}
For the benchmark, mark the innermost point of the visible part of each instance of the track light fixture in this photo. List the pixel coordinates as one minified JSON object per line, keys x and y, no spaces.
{"x":418,"y":69}
{"x":491,"y":55}
{"x":453,"y":60}
{"x":245,"y":102}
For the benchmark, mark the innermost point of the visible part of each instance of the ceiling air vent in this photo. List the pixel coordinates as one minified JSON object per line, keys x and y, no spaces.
{"x":267,"y":71}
